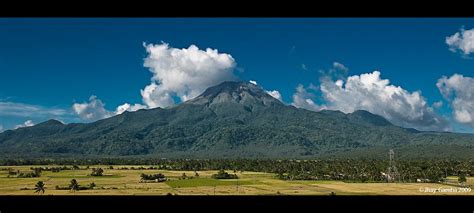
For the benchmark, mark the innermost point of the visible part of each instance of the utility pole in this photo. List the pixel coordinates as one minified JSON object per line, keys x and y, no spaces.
{"x":238,"y":187}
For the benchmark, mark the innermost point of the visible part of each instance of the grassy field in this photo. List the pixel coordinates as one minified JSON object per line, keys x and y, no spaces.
{"x":127,"y":182}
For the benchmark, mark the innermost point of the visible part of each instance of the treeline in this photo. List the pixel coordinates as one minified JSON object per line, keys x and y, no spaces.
{"x":362,"y":170}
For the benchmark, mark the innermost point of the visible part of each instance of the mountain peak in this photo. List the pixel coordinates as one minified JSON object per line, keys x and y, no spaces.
{"x":235,"y":92}
{"x":50,"y":122}
{"x":369,"y":117}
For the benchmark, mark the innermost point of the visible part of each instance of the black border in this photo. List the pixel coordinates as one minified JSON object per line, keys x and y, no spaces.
{"x":240,"y":8}
{"x":236,"y":203}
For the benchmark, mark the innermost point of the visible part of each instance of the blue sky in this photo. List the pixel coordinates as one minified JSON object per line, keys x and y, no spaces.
{"x":53,"y":63}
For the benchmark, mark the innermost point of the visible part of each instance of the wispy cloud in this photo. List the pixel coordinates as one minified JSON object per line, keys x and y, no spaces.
{"x":292,"y":50}
{"x":303,"y":66}
{"x":27,"y":110}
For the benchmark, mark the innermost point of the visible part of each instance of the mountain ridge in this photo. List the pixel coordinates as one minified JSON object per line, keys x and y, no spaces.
{"x":232,"y":120}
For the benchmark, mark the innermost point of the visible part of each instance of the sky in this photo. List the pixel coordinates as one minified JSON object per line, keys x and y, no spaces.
{"x":417,"y":73}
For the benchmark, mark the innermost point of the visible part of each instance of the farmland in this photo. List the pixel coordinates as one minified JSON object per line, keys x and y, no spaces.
{"x":117,"y":180}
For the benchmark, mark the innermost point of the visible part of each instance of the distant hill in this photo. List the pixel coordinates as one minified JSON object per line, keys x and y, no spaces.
{"x":234,"y":120}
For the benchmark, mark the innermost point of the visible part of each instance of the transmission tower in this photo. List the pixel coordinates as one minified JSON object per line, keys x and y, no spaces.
{"x":392,"y":171}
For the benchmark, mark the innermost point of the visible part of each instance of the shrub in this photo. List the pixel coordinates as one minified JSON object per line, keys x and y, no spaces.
{"x":224,"y":175}
{"x":156,"y":177}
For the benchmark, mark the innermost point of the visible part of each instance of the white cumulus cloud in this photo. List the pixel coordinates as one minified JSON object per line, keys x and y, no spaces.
{"x":25,"y":124}
{"x":128,"y":107}
{"x":95,"y":109}
{"x":183,"y":73}
{"x":459,"y":91}
{"x":372,"y":93}
{"x":275,"y":93}
{"x":92,"y":110}
{"x":461,"y":41}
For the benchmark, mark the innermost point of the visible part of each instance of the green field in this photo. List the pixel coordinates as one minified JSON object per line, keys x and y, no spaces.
{"x":127,"y":182}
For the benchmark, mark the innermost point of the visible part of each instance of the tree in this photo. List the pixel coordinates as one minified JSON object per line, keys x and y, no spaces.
{"x":39,"y":187}
{"x":92,"y":185}
{"x":462,"y":178}
{"x":36,"y":172}
{"x":74,"y":186}
{"x":97,"y":172}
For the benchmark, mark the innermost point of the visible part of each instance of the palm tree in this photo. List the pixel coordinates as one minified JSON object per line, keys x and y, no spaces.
{"x":462,"y":179}
{"x":39,"y":187}
{"x":74,"y":186}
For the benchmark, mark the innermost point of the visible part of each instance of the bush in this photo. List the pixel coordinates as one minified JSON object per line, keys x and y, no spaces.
{"x":156,"y":177}
{"x":36,"y":173}
{"x":224,"y":175}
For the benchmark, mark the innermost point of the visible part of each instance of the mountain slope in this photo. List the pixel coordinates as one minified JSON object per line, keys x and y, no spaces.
{"x":232,"y":119}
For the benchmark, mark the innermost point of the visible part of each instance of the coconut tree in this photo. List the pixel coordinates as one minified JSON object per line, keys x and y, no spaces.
{"x":74,"y":186}
{"x":39,"y":187}
{"x":462,"y":178}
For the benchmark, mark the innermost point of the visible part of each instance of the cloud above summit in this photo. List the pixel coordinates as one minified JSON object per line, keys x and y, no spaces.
{"x":177,"y":73}
{"x":183,"y":73}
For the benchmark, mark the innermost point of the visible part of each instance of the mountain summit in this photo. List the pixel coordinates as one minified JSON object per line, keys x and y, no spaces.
{"x":235,"y":92}
{"x":233,"y":120}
